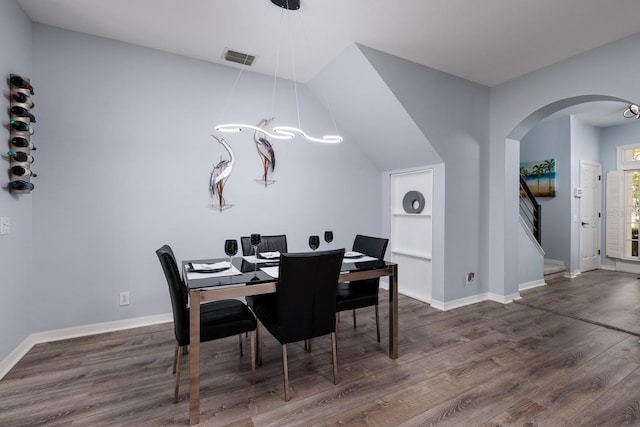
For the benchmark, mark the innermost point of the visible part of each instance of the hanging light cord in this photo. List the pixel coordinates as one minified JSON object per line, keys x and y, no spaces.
{"x":281,"y":132}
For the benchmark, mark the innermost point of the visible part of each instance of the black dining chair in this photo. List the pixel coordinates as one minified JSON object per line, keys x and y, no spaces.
{"x":363,"y":293}
{"x":276,"y":242}
{"x":304,"y":304}
{"x":218,"y":319}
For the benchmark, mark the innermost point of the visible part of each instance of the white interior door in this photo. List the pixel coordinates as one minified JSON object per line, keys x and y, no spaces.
{"x":590,"y":182}
{"x":411,"y":233}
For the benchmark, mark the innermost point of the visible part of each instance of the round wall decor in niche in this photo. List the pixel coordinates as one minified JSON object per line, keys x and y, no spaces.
{"x":413,"y":202}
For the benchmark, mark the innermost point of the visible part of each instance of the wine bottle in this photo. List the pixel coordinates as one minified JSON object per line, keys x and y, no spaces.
{"x":22,"y":112}
{"x":21,"y":185}
{"x":22,"y":98}
{"x":21,"y":142}
{"x":21,"y":126}
{"x":22,"y":171}
{"x":19,"y":156}
{"x":18,"y":81}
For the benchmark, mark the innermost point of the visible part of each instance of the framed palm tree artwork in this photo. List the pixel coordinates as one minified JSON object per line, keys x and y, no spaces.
{"x":540,"y":177}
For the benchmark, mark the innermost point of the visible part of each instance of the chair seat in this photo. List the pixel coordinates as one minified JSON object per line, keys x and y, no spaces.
{"x":350,"y":296}
{"x":221,"y":319}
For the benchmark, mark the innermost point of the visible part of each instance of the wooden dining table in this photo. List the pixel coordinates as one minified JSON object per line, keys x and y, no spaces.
{"x":253,"y":281}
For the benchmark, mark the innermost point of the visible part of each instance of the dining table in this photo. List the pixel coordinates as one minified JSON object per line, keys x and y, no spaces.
{"x":248,"y":276}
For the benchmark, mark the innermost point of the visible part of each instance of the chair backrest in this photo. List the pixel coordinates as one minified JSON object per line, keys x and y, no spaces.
{"x":306,"y":294}
{"x":277,"y":242}
{"x":177,"y":291}
{"x":372,"y":246}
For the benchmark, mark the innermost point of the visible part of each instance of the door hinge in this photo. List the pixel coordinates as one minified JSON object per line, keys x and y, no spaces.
{"x":599,"y":177}
{"x":598,"y":214}
{"x":598,"y":251}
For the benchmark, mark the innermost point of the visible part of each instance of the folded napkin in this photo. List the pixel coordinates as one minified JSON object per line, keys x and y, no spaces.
{"x":271,"y":271}
{"x":269,"y":255}
{"x":353,"y":256}
{"x":251,"y":259}
{"x":209,"y":268}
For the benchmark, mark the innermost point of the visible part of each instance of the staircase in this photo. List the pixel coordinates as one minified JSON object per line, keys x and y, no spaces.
{"x":553,"y":269}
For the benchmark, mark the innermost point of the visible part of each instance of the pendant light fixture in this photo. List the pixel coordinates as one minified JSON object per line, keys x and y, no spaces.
{"x":632,"y":112}
{"x":282,"y":132}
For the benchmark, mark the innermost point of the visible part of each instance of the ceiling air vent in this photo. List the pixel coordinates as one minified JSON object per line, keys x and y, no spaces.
{"x":239,"y":57}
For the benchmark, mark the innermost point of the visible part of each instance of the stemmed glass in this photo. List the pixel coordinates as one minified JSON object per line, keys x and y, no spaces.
{"x":230,"y":248}
{"x":255,"y":241}
{"x":314,"y":242}
{"x":328,"y":236}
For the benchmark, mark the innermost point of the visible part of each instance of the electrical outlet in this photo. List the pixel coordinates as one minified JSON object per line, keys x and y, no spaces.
{"x":124,"y":298}
{"x":470,"y":278}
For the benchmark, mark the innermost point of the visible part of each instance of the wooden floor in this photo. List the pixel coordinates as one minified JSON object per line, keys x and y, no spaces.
{"x":487,"y":364}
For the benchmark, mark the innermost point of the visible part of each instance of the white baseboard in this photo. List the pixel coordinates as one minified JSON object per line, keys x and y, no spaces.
{"x":531,"y":285}
{"x":504,"y":299}
{"x":461,"y":302}
{"x":608,"y":267}
{"x":74,"y":332}
{"x":573,"y":274}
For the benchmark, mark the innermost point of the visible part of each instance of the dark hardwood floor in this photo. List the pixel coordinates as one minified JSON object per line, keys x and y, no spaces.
{"x":545,"y":360}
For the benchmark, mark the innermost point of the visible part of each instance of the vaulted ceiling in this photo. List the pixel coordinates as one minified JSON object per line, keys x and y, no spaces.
{"x":488,"y":42}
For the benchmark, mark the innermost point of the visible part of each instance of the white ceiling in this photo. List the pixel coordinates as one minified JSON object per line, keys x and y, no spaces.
{"x":488,"y":41}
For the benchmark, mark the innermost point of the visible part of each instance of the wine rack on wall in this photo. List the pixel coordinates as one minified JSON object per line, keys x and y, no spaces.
{"x":21,"y":130}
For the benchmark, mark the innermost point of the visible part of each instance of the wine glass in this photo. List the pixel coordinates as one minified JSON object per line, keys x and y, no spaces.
{"x":314,"y":242}
{"x":328,"y":236}
{"x":230,"y":248}
{"x":255,"y":241}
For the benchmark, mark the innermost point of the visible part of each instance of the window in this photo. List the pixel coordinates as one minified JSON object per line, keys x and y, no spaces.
{"x":631,"y":212}
{"x":623,"y":205}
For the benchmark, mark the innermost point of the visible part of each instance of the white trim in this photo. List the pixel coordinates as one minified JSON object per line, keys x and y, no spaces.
{"x":531,"y":285}
{"x":554,"y":261}
{"x":573,"y":274}
{"x":461,"y":302}
{"x":74,"y":332}
{"x":474,"y":299}
{"x":608,"y":267}
{"x":504,"y":299}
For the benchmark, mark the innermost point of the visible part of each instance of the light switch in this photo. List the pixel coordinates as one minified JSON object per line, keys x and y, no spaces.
{"x":5,"y":225}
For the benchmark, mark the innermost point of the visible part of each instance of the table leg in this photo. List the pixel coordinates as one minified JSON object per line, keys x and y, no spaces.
{"x":393,"y":313}
{"x":194,"y":357}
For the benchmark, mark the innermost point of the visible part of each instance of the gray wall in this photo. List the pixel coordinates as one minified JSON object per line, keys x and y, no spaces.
{"x":605,"y":73}
{"x":436,"y":102}
{"x":551,"y":140}
{"x":15,"y":247}
{"x":125,"y":166}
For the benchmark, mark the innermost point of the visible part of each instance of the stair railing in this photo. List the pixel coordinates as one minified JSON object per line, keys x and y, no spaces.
{"x":530,"y":210}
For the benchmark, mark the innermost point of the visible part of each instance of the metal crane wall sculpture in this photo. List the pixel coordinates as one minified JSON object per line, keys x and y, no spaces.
{"x":266,"y":153}
{"x":219,"y":176}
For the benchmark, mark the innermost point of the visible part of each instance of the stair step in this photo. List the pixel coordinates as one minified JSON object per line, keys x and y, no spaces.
{"x":553,"y":270}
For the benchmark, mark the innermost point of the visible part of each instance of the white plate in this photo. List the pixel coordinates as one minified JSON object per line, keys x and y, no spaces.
{"x":353,"y":254}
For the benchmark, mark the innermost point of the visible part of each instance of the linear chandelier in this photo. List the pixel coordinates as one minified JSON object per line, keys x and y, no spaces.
{"x":283,"y":132}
